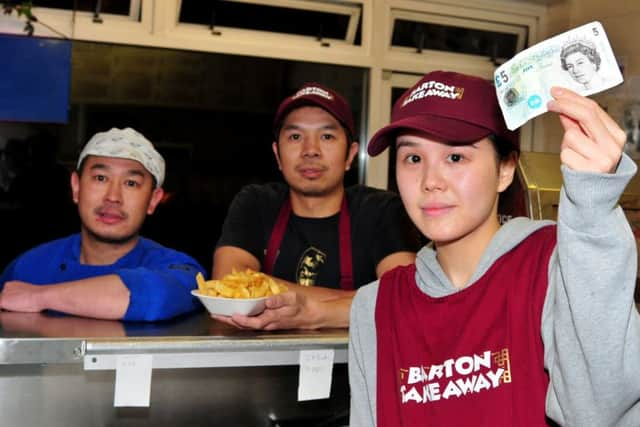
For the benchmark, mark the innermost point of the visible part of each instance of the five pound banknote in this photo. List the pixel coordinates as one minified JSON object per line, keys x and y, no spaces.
{"x":580,"y":60}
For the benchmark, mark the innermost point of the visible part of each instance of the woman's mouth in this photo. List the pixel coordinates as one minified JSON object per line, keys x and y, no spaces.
{"x":436,"y":210}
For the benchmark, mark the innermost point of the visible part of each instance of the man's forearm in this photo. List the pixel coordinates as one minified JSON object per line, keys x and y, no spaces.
{"x":319,"y":293}
{"x":334,"y":313}
{"x":329,"y":308}
{"x":102,"y":297}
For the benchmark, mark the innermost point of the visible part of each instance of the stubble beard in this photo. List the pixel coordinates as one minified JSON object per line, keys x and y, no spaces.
{"x":314,"y":191}
{"x":110,"y":240}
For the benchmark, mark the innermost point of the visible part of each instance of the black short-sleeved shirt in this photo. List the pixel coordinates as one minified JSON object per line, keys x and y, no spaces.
{"x":309,"y":252}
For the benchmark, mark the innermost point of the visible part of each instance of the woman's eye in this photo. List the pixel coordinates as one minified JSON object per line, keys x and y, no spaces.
{"x":454,"y":158}
{"x":412,"y":158}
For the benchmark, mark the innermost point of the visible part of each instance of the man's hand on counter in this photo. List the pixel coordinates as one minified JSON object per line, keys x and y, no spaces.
{"x":21,"y":296}
{"x":101,"y":297}
{"x":300,"y":308}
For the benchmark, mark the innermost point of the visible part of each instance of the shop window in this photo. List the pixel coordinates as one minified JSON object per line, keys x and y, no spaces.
{"x":319,"y":19}
{"x":417,"y":32}
{"x":114,"y":7}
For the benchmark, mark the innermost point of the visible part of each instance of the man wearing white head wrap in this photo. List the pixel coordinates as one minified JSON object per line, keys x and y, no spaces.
{"x":107,"y":270}
{"x":126,"y":144}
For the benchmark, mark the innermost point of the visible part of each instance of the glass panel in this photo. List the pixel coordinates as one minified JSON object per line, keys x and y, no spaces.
{"x":447,"y":38}
{"x":210,"y":115}
{"x":265,"y":18}
{"x":116,"y":7}
{"x":36,"y":79}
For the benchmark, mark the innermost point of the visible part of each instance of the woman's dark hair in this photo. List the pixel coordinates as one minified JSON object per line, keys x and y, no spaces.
{"x":503,"y":147}
{"x":511,"y":201}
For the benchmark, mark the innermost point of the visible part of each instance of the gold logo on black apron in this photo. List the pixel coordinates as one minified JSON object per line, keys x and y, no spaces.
{"x":308,"y":266}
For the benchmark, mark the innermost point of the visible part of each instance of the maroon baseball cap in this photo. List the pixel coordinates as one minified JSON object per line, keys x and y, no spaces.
{"x":314,"y":94}
{"x":454,"y":107}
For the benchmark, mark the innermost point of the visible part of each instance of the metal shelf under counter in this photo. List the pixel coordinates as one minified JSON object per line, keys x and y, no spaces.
{"x":59,"y":371}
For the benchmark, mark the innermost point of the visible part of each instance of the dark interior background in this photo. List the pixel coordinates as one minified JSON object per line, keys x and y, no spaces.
{"x":210,"y":115}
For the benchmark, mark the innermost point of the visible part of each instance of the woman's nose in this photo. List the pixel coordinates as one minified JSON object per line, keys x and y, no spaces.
{"x":433,"y":179}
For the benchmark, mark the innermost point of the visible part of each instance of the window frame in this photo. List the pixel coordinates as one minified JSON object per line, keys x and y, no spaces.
{"x":158,"y":26}
{"x":347,"y":9}
{"x":521,"y":32}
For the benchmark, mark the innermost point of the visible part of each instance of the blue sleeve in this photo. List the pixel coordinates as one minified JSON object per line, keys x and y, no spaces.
{"x":161,"y":291}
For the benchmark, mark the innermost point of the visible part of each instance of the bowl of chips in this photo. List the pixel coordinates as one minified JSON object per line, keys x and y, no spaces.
{"x":229,"y":306}
{"x":238,"y":292}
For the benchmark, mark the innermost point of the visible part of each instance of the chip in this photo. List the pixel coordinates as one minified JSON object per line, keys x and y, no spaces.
{"x":243,"y":284}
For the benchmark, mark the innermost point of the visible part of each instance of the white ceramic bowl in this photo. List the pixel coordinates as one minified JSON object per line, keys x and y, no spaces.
{"x":229,"y":306}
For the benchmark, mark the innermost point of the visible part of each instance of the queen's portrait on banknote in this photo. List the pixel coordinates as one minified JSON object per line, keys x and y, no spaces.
{"x":581,"y":60}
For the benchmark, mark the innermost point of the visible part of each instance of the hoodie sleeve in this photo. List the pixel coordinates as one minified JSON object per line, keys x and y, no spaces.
{"x":590,"y":325}
{"x":363,"y":357}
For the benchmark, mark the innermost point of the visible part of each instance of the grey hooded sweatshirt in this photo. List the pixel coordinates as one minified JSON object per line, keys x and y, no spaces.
{"x":590,"y":324}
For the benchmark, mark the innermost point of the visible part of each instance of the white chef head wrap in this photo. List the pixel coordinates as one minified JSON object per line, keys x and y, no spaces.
{"x":126,"y":144}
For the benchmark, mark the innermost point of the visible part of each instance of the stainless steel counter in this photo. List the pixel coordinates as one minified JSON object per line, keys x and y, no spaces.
{"x":59,"y":370}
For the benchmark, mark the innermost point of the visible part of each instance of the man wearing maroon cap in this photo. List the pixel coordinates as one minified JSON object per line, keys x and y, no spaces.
{"x":500,"y":325}
{"x":323,"y":240}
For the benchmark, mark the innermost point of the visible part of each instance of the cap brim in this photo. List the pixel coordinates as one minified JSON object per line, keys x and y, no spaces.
{"x":446,"y":129}
{"x":307,"y":102}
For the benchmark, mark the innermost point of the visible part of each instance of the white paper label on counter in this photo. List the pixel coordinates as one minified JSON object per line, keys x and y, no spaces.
{"x":133,"y":380}
{"x":316,"y":368}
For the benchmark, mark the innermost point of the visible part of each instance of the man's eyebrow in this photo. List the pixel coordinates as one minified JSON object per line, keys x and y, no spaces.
{"x":104,"y":167}
{"x":294,"y":126}
{"x":99,"y":166}
{"x":136,"y":172}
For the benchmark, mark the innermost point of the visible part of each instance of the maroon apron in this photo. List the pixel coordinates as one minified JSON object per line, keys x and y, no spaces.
{"x":472,"y":358}
{"x":344,"y":226}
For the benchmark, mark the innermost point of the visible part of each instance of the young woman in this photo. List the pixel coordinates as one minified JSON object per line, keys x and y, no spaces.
{"x":496,"y":325}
